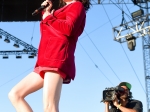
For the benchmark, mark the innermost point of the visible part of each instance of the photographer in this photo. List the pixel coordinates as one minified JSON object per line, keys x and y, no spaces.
{"x":123,"y":101}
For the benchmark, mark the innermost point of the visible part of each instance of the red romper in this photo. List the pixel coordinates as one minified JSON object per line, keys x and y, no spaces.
{"x":59,"y":35}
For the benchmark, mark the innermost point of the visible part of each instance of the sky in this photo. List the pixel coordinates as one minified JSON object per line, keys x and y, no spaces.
{"x":100,"y":61}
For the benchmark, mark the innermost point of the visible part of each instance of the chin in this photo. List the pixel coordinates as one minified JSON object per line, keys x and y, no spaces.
{"x":124,"y":96}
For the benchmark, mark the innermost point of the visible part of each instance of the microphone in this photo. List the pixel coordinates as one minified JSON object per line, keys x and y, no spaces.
{"x":39,"y":9}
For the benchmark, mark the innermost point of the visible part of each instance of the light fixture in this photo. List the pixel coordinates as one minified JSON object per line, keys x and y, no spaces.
{"x":7,"y":40}
{"x":5,"y":57}
{"x":31,"y":56}
{"x":16,"y":45}
{"x":25,"y":50}
{"x":131,"y":42}
{"x":137,"y":13}
{"x":18,"y":57}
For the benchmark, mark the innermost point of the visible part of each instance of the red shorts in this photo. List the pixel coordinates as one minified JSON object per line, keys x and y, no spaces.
{"x":41,"y":71}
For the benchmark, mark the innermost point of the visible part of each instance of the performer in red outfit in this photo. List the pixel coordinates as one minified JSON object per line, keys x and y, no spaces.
{"x":55,"y":65}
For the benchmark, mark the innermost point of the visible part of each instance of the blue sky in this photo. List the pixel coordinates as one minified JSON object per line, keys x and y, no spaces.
{"x":114,"y":61}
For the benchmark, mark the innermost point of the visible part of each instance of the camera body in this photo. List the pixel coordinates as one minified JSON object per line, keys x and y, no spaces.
{"x":110,"y":93}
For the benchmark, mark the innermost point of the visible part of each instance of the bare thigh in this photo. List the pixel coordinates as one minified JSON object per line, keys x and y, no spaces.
{"x":29,"y":84}
{"x":52,"y":88}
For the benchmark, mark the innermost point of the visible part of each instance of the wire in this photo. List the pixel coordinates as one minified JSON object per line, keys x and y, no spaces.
{"x":133,"y":69}
{"x":107,"y":15}
{"x":102,"y":56}
{"x":101,"y":26}
{"x":121,"y":9}
{"x":15,"y":77}
{"x":128,"y":59}
{"x":95,"y":64}
{"x":32,"y":33}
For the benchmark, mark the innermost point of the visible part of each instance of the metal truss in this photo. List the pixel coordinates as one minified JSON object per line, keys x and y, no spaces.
{"x":137,"y":28}
{"x":17,"y":53}
{"x":95,"y":2}
{"x":146,"y":59}
{"x":28,"y":49}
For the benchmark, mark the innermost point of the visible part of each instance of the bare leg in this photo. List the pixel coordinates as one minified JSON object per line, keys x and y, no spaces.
{"x":51,"y":91}
{"x":29,"y":84}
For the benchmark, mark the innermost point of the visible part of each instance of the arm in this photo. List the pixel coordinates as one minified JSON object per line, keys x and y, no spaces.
{"x":107,"y":107}
{"x":74,"y":17}
{"x":124,"y":109}
{"x":137,"y":106}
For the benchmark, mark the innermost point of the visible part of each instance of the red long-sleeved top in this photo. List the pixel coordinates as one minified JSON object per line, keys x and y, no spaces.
{"x":59,"y":35}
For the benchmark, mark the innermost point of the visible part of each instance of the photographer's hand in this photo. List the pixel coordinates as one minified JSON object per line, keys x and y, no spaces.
{"x":106,"y":106}
{"x":115,"y":102}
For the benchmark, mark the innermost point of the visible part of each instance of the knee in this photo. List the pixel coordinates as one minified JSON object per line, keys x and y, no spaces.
{"x":13,"y":95}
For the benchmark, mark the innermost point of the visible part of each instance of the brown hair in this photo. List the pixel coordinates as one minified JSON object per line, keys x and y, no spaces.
{"x":86,"y":4}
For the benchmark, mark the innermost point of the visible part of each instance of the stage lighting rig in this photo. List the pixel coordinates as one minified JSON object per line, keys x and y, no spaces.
{"x":28,"y":49}
{"x":132,"y":30}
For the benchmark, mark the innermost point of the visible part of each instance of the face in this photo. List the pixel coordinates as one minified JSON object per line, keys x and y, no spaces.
{"x":125,"y":94}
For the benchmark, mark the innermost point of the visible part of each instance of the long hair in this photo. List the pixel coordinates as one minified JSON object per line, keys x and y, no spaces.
{"x":86,"y":4}
{"x":130,"y":95}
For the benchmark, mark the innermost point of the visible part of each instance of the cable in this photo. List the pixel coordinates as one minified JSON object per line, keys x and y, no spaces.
{"x":32,"y":33}
{"x":107,"y":15}
{"x":15,"y":77}
{"x":95,"y":64}
{"x":120,"y":9}
{"x":104,"y":58}
{"x":100,"y":26}
{"x":133,"y":68}
{"x":130,"y":62}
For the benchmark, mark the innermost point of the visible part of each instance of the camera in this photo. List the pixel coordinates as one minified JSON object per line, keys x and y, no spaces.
{"x":110,"y":93}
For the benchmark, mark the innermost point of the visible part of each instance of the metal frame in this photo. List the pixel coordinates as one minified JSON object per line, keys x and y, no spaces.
{"x":135,"y":27}
{"x":28,"y":49}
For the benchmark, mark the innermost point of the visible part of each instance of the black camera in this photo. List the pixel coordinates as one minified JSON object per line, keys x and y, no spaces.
{"x":110,"y":93}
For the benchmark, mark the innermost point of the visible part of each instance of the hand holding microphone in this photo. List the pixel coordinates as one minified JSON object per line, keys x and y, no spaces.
{"x":46,"y":6}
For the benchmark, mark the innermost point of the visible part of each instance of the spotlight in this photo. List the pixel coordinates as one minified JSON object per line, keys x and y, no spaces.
{"x":131,"y":42}
{"x":137,"y":13}
{"x":0,"y":37}
{"x":25,"y":50}
{"x":31,"y":56}
{"x":7,"y":40}
{"x":16,"y":45}
{"x":18,"y":57}
{"x":5,"y":57}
